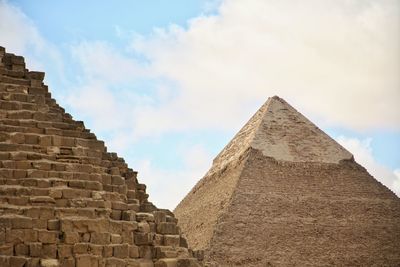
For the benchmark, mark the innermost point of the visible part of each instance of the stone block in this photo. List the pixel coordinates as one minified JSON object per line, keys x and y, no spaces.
{"x":115,"y":262}
{"x":143,"y":227}
{"x":129,"y":215}
{"x":46,"y":166}
{"x":143,"y":239}
{"x":133,"y":251}
{"x":80,"y":248}
{"x":188,"y":263}
{"x":71,"y":237}
{"x":18,"y":174}
{"x":96,"y":249}
{"x":4,"y":260}
{"x":83,"y":261}
{"x":49,"y":263}
{"x":23,"y":164}
{"x":144,"y":216}
{"x":64,"y":251}
{"x":45,"y":141}
{"x":183,"y":242}
{"x":158,"y":240}
{"x":166,"y":263}
{"x":129,"y":226}
{"x":17,"y":138}
{"x":21,"y":223}
{"x":32,"y":262}
{"x":6,"y":249}
{"x":121,"y":251}
{"x":67,"y":262}
{"x":159,"y":216}
{"x":117,"y":205}
{"x":100,"y":238}
{"x":53,"y":225}
{"x":21,"y":249}
{"x":167,"y":228}
{"x":48,"y":237}
{"x":165,"y":252}
{"x":76,"y":184}
{"x":128,"y":237}
{"x":146,"y":252}
{"x":116,"y":214}
{"x":21,"y":235}
{"x":107,"y":251}
{"x":17,"y":261}
{"x":172,"y":240}
{"x":39,"y":223}
{"x":35,"y":249}
{"x":70,"y":193}
{"x":49,"y":251}
{"x":31,"y":139}
{"x":116,"y":239}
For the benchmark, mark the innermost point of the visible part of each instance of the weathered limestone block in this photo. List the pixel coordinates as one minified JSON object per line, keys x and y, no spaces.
{"x":133,"y":251}
{"x":49,"y":263}
{"x":19,"y":222}
{"x":100,"y":238}
{"x":116,"y":239}
{"x":143,"y":238}
{"x":143,"y":227}
{"x":121,"y":250}
{"x":95,"y":249}
{"x":49,"y":250}
{"x":80,"y":248}
{"x":166,"y":263}
{"x":17,"y":261}
{"x":165,"y":252}
{"x":71,"y":237}
{"x":188,"y":263}
{"x":146,"y":252}
{"x":172,"y":240}
{"x":6,"y":249}
{"x":64,"y":251}
{"x":21,"y":250}
{"x":167,"y":228}
{"x":144,"y":216}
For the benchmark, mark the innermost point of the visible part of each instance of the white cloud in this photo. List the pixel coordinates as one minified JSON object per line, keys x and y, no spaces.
{"x":167,"y":187}
{"x":336,"y":60}
{"x":363,"y":154}
{"x":100,"y":60}
{"x":17,"y":30}
{"x":19,"y":35}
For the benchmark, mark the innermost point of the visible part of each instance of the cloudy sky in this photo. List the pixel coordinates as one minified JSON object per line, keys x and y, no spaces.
{"x":168,"y":83}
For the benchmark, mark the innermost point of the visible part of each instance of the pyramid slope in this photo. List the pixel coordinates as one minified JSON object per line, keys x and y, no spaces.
{"x":300,"y":214}
{"x":65,"y":200}
{"x":308,"y":205}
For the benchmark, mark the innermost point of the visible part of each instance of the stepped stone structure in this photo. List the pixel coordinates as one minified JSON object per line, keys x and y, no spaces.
{"x":66,"y":201}
{"x":283,"y":193}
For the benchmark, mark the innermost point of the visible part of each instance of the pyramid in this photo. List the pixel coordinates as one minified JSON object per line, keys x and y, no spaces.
{"x":283,"y":193}
{"x":64,"y":200}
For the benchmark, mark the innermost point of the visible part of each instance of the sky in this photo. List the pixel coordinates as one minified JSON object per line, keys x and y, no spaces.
{"x":167,"y":84}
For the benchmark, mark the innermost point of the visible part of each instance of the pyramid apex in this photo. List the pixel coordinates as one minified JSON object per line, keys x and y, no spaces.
{"x":279,"y":131}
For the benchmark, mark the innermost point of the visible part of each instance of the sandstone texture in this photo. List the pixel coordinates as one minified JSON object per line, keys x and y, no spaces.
{"x":66,"y":201}
{"x":283,"y":193}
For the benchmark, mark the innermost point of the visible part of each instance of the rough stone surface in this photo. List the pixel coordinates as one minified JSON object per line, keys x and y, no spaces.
{"x":65,"y":200}
{"x":283,"y":193}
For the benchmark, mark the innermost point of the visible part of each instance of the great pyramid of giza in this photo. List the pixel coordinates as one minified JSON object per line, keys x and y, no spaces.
{"x":64,"y":200}
{"x":283,"y":193}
